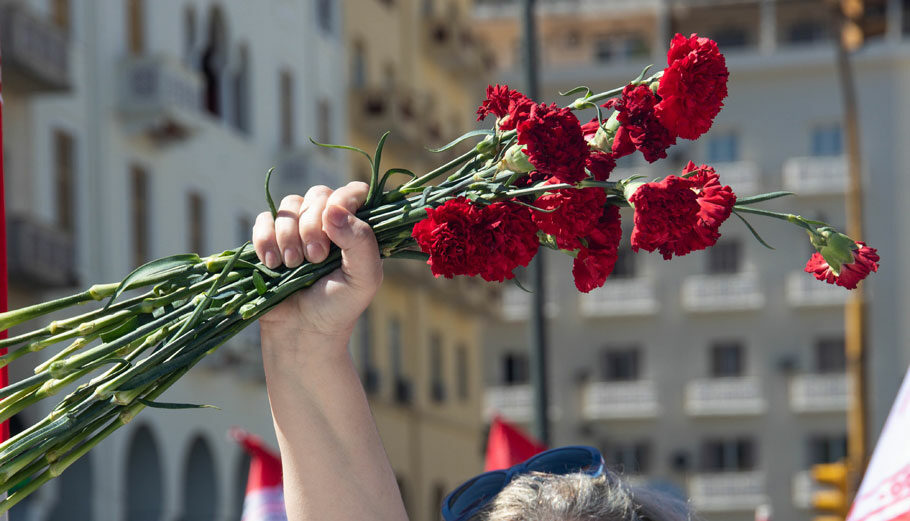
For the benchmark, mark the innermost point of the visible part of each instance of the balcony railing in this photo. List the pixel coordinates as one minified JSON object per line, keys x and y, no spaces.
{"x":816,"y":175}
{"x":502,"y":8}
{"x":727,"y":491}
{"x":620,"y":400}
{"x":40,"y":255}
{"x":803,"y":290}
{"x":819,"y":393}
{"x":733,"y":292}
{"x":35,"y":51}
{"x":729,"y":396}
{"x":159,"y":96}
{"x":742,"y":176}
{"x":375,"y":110}
{"x":513,"y":402}
{"x":620,"y":297}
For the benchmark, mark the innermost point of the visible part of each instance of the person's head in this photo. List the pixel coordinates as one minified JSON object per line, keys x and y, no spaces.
{"x":565,"y":484}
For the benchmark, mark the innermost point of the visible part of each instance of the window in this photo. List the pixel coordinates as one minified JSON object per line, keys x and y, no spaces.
{"x":515,"y":369}
{"x":625,"y":264}
{"x":197,"y":222}
{"x":439,"y":494}
{"x":826,"y":448}
{"x":65,"y":183}
{"x":242,"y":90}
{"x":620,"y":365}
{"x":214,"y":58}
{"x":603,"y":50}
{"x":324,"y":15}
{"x":324,"y":122}
{"x":437,"y":383}
{"x":359,"y":65}
{"x":723,"y":148}
{"x":727,"y":359}
{"x":368,"y":373}
{"x":286,"y":108}
{"x":807,"y":31}
{"x":395,"y":347}
{"x":830,"y":356}
{"x":60,"y":14}
{"x":729,"y":37}
{"x":189,"y":34}
{"x":244,"y":228}
{"x":139,"y":194}
{"x":461,"y":372}
{"x":728,"y":455}
{"x":629,"y":458}
{"x":135,"y":28}
{"x":724,"y":257}
{"x":827,"y":140}
{"x":611,"y":47}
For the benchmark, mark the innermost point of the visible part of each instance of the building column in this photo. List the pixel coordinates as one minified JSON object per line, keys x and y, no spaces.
{"x":767,"y":37}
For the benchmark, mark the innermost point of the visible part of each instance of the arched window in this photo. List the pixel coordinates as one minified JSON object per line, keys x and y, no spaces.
{"x":74,"y":496}
{"x":214,"y":57}
{"x":241,"y":475}
{"x":144,"y":481}
{"x":242,"y":90}
{"x":359,"y":65}
{"x":200,"y":483}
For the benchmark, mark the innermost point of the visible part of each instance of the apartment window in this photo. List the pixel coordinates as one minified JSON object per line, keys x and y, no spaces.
{"x":139,"y":195}
{"x":620,"y":364}
{"x":461,"y":372}
{"x":730,"y":37}
{"x":607,"y":48}
{"x":60,"y":14}
{"x":830,"y":356}
{"x":728,"y":455}
{"x":827,"y":140}
{"x":625,"y":264}
{"x":189,"y":34}
{"x":135,"y":26}
{"x":213,"y":61}
{"x":437,"y":384}
{"x":727,"y":359}
{"x":807,"y":31}
{"x":387,"y":2}
{"x":286,"y":108}
{"x":242,"y":90}
{"x":629,"y":458}
{"x":359,"y":65}
{"x":724,"y":257}
{"x":197,"y":222}
{"x":324,"y":122}
{"x":368,"y":373}
{"x":603,"y":50}
{"x":826,"y":448}
{"x":244,"y":228}
{"x":395,"y":347}
{"x":723,"y":148}
{"x":515,"y":369}
{"x":65,"y":182}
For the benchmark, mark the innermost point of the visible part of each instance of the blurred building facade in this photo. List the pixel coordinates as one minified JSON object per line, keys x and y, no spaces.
{"x":138,"y":129}
{"x":415,"y":70}
{"x":720,"y":375}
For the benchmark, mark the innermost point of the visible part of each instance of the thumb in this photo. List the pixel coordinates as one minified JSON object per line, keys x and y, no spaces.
{"x":359,"y":251}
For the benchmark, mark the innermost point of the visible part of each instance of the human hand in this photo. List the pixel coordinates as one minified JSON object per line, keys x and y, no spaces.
{"x":302,"y":232}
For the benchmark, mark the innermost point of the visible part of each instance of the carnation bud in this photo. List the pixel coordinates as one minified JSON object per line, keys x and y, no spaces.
{"x":629,"y":189}
{"x":602,"y":141}
{"x":835,"y":247}
{"x":517,"y":161}
{"x":487,"y":147}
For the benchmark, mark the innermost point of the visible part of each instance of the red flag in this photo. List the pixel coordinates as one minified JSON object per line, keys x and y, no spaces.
{"x":264,"y":500}
{"x":885,"y":492}
{"x":508,"y":445}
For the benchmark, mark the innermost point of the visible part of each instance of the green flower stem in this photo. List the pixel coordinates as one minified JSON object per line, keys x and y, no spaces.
{"x":17,"y":316}
{"x":433,"y":174}
{"x":789,"y":217}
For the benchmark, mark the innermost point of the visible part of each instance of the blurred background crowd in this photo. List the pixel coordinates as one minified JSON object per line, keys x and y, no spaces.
{"x":136,"y":129}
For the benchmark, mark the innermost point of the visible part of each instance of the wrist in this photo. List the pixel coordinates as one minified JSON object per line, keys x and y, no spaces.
{"x":295,"y":349}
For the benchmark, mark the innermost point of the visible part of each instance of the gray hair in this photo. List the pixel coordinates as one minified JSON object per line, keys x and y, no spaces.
{"x":580,"y":497}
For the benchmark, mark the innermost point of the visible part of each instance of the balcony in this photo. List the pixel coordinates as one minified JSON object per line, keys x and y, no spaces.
{"x":728,"y":292}
{"x":816,"y":175}
{"x":620,"y":400}
{"x":452,"y":45}
{"x":802,"y":489}
{"x":305,"y":166}
{"x":803,"y":290}
{"x":488,"y":9}
{"x":814,"y":393}
{"x":742,"y":176}
{"x":727,"y":491}
{"x":159,"y":97}
{"x":39,"y":255}
{"x":513,"y":402}
{"x":35,"y":51}
{"x":620,"y":298}
{"x":375,"y":110}
{"x":730,"y":396}
{"x":515,"y":304}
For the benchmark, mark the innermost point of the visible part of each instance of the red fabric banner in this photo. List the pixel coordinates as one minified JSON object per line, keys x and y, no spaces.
{"x":508,"y":445}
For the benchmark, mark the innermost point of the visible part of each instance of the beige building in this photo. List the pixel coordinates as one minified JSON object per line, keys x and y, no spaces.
{"x":415,"y":70}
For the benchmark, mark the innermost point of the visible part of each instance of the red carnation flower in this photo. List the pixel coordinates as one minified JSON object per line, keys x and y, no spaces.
{"x":510,"y":106}
{"x":589,"y":129}
{"x":514,"y":240}
{"x":640,"y":128}
{"x":554,"y":142}
{"x":693,"y":86}
{"x":447,"y":235}
{"x":865,"y":261}
{"x":574,"y":213}
{"x":595,"y":262}
{"x":600,"y":164}
{"x":679,"y":215}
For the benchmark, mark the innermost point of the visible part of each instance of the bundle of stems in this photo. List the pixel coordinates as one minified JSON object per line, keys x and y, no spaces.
{"x":170,"y":313}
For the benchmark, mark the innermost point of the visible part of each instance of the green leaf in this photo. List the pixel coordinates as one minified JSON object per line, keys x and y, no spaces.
{"x":169,"y":405}
{"x":459,"y":139}
{"x":762,"y":197}
{"x":531,"y":206}
{"x":424,"y":195}
{"x":520,"y":286}
{"x":259,"y":283}
{"x":641,"y":76}
{"x":374,"y":176}
{"x":155,"y":267}
{"x":389,"y":173}
{"x":343,"y":147}
{"x":576,"y":90}
{"x":257,"y":267}
{"x":125,"y":327}
{"x":268,"y":194}
{"x":411,"y":254}
{"x":754,"y":233}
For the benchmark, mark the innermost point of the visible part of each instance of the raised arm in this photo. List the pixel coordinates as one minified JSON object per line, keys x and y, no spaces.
{"x":334,"y":464}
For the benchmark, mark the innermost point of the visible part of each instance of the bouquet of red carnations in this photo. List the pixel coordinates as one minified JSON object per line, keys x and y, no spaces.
{"x":537,"y":178}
